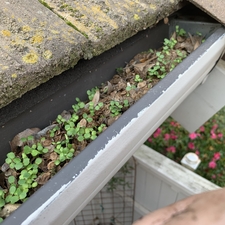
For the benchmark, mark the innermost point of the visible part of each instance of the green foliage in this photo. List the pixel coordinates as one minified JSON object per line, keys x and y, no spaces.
{"x":2,"y":198}
{"x":180,"y":31}
{"x":13,"y":161}
{"x":91,"y":93}
{"x":60,"y":120}
{"x":130,"y":87}
{"x":64,"y":150}
{"x":101,"y":128}
{"x":56,"y":128}
{"x":34,"y":150}
{"x":126,"y":103}
{"x":137,"y":78}
{"x":115,"y":108}
{"x":119,"y":70}
{"x":99,"y":106}
{"x":164,"y":61}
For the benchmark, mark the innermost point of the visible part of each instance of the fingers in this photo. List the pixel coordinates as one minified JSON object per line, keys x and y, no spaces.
{"x":202,"y":209}
{"x":162,"y":216}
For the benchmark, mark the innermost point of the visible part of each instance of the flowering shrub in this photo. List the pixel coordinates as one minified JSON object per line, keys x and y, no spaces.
{"x":208,"y":142}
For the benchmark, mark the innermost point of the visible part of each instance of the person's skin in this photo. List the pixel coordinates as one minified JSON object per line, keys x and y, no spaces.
{"x":203,"y":209}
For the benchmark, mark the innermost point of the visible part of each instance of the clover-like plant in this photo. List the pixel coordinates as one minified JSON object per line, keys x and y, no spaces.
{"x":138,"y":78}
{"x":56,"y":128}
{"x":115,"y":108}
{"x":101,"y":128}
{"x":180,"y":31}
{"x":13,"y":161}
{"x":64,"y":150}
{"x":2,"y":198}
{"x":35,"y":149}
{"x":91,"y":93}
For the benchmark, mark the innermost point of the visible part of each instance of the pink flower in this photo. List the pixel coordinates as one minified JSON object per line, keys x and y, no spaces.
{"x":212,"y":164}
{"x":213,"y":176}
{"x":192,"y":136}
{"x":191,"y":145}
{"x":202,"y":129}
{"x":174,"y":124}
{"x":173,"y":136}
{"x":171,"y":149}
{"x":150,"y":140}
{"x":166,"y":137}
{"x":216,"y":156}
{"x":157,"y":133}
{"x":213,"y":136}
{"x":197,"y":152}
{"x":219,"y":135}
{"x":214,"y":127}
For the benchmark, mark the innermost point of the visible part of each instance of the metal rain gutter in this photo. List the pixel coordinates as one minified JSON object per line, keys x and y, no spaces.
{"x":85,"y":175}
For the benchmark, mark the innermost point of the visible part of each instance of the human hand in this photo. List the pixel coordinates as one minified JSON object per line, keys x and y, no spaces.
{"x":203,"y":209}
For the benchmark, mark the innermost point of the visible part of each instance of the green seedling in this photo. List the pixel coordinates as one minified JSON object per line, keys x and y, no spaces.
{"x":99,"y":106}
{"x":101,"y":128}
{"x":2,"y":198}
{"x":138,"y":78}
{"x":60,"y":120}
{"x":115,"y":108}
{"x":91,"y":93}
{"x":119,"y":70}
{"x":130,"y":87}
{"x":52,"y":131}
{"x":169,"y":43}
{"x":35,"y":149}
{"x":70,"y":128}
{"x":126,"y":103}
{"x":13,"y":161}
{"x":29,"y":138}
{"x":180,"y":31}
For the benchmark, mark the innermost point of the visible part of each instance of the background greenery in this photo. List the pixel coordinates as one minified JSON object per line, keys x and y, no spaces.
{"x":208,"y":142}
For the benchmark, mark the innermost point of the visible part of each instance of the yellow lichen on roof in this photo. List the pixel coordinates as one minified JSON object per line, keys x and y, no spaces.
{"x":30,"y":58}
{"x":6,"y":33}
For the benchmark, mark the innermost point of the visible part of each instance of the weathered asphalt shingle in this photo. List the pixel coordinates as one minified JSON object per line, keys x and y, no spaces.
{"x":39,"y":41}
{"x":215,"y":8}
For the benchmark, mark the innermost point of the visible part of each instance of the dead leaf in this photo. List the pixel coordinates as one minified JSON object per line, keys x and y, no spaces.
{"x":43,"y":178}
{"x":46,"y":142}
{"x":141,"y":84}
{"x":174,"y":36}
{"x":188,"y":46}
{"x":51,"y":165}
{"x":197,"y":44}
{"x":83,"y":123}
{"x":5,"y":167}
{"x":96,"y":98}
{"x":10,"y":172}
{"x":192,"y":40}
{"x":50,"y":148}
{"x":109,"y":87}
{"x":112,"y":120}
{"x":53,"y":156}
{"x":16,"y":141}
{"x":8,"y":209}
{"x":180,"y":39}
{"x":66,"y":115}
{"x":44,"y":131}
{"x":166,"y":20}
